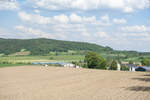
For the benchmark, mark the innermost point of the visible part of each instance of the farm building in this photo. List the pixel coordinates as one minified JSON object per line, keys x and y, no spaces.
{"x":61,"y":64}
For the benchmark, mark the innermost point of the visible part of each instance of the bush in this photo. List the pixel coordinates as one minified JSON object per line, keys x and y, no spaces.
{"x":51,"y":58}
{"x":131,"y":62}
{"x":145,"y":62}
{"x":124,"y":68}
{"x":113,"y":65}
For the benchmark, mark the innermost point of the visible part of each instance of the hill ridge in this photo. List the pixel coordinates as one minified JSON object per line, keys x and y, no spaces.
{"x":40,"y":46}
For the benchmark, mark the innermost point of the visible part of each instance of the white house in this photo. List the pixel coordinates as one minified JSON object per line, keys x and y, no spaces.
{"x":131,"y":67}
{"x":69,"y":65}
{"x":118,"y":67}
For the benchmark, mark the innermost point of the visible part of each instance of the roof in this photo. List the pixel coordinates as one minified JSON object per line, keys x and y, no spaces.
{"x":130,"y":65}
{"x":59,"y":63}
{"x":144,"y":67}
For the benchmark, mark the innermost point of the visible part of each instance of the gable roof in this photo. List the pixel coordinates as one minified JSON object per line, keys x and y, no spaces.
{"x":130,"y":65}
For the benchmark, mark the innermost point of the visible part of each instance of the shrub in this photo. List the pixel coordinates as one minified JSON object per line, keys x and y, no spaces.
{"x":113,"y":65}
{"x":124,"y":68}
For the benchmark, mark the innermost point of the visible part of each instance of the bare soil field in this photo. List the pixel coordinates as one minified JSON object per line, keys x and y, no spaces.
{"x":55,"y":83}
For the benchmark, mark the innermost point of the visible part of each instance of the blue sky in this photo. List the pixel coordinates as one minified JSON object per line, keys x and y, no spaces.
{"x":120,"y":24}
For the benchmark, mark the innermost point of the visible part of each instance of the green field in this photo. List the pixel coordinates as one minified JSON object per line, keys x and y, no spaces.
{"x":30,"y":59}
{"x":11,"y":65}
{"x":24,"y":60}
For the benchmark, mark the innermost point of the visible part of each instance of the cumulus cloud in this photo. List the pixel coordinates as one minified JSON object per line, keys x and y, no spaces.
{"x":123,"y":5}
{"x":61,"y":18}
{"x":137,"y":32}
{"x":64,"y":19}
{"x":136,"y":28}
{"x":34,"y":32}
{"x":37,"y":11}
{"x":82,"y":19}
{"x":89,"y":19}
{"x":34,"y":18}
{"x":119,"y":21}
{"x":105,"y":18}
{"x":8,"y":5}
{"x":75,"y":18}
{"x":101,"y":35}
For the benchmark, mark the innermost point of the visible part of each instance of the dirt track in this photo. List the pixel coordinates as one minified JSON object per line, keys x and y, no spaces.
{"x":40,"y":83}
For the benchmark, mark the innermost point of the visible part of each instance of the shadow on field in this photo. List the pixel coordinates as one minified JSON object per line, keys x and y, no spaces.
{"x":147,"y":75}
{"x":139,"y":88}
{"x":142,"y":79}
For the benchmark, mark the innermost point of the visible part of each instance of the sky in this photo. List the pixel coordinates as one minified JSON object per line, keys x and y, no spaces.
{"x":119,"y":24}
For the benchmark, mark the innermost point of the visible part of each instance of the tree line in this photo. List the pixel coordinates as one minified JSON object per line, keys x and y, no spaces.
{"x":43,"y":46}
{"x":95,"y":61}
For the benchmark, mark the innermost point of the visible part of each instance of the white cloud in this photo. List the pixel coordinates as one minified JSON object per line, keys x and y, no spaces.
{"x":82,"y":19}
{"x":103,"y":21}
{"x":34,"y":32}
{"x":86,"y":34}
{"x":24,"y":16}
{"x":136,"y":28}
{"x":69,"y":28}
{"x":37,"y":11}
{"x":75,"y":18}
{"x":20,"y":27}
{"x":89,"y":19}
{"x":64,"y":19}
{"x":143,"y":36}
{"x":61,"y":18}
{"x":137,"y":34}
{"x":101,"y":35}
{"x":123,"y":5}
{"x":34,"y":18}
{"x":119,"y":21}
{"x":128,"y":9}
{"x":105,"y":18}
{"x":8,"y":5}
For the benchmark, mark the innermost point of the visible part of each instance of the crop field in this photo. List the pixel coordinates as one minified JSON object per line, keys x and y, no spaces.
{"x":30,"y":59}
{"x":56,"y":83}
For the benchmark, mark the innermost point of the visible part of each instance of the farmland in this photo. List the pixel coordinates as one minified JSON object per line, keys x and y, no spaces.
{"x":30,"y":59}
{"x":55,"y":83}
{"x":12,"y":60}
{"x":26,"y":51}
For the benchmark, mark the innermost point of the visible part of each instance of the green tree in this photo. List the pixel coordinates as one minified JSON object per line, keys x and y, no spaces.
{"x":130,"y":62}
{"x":145,"y":62}
{"x":113,"y":65}
{"x":94,"y":60}
{"x":124,"y":68}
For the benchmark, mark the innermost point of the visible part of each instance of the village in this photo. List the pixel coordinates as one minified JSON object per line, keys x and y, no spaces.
{"x":132,"y":67}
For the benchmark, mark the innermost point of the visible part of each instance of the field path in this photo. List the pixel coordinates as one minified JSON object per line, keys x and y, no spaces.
{"x":55,"y":83}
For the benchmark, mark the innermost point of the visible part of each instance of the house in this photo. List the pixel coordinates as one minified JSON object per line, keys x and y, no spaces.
{"x":61,"y":64}
{"x":131,"y":67}
{"x":69,"y":65}
{"x":118,"y":67}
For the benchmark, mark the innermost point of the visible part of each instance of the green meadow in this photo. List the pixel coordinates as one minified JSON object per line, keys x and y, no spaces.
{"x":13,"y":60}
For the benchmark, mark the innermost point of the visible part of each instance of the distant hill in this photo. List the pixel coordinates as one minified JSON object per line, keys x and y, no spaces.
{"x":42,"y":46}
